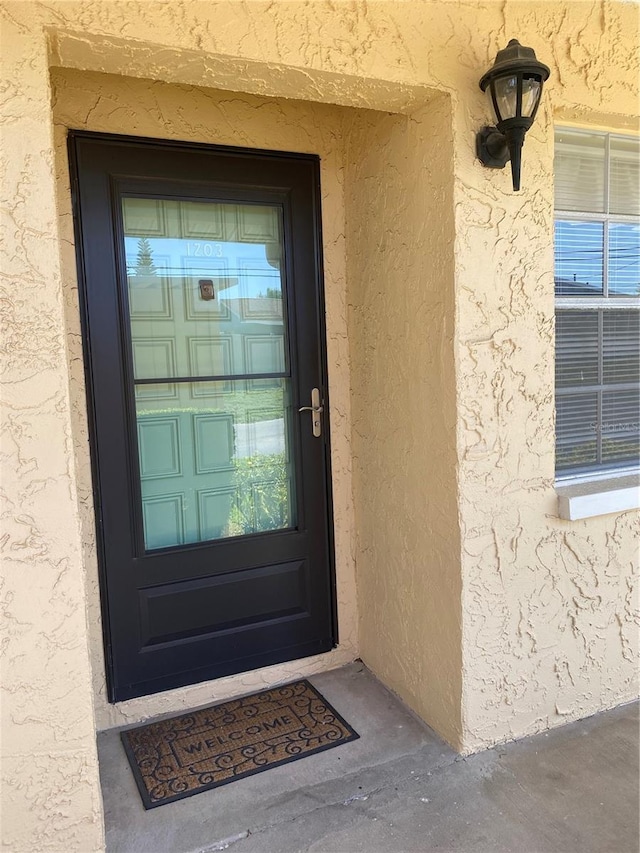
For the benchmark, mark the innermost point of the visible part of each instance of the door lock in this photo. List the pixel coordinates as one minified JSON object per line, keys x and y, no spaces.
{"x":316,"y":410}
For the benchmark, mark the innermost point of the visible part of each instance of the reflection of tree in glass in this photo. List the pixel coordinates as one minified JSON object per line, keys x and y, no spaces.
{"x":623,"y":448}
{"x":272,"y":293}
{"x":144,"y":260}
{"x":262,"y":484}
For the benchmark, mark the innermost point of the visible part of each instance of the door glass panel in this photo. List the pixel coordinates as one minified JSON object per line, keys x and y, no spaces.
{"x":208,"y":337}
{"x":205,"y":288}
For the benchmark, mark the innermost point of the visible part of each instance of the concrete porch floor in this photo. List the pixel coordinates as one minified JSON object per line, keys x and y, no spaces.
{"x":401,"y":788}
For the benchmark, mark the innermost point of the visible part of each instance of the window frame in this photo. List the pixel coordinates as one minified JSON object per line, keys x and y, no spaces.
{"x":605,"y":301}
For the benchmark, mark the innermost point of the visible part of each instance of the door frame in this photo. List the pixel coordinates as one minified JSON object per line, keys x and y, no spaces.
{"x":319,"y":290}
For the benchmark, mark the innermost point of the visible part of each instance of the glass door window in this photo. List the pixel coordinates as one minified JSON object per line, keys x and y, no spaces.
{"x":211,"y":368}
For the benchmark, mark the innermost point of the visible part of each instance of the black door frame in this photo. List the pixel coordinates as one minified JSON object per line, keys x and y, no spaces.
{"x":74,"y":138}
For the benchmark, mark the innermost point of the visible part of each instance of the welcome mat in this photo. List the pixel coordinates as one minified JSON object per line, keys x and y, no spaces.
{"x":182,"y":756}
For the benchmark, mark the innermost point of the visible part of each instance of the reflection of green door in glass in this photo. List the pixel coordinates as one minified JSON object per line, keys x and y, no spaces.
{"x":211,"y":370}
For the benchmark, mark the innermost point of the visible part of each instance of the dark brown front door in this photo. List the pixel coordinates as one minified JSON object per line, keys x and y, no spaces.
{"x":201,"y":282}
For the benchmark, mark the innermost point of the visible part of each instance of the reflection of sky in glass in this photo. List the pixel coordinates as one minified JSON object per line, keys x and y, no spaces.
{"x":624,"y":259}
{"x":176,"y":258}
{"x":578,"y":258}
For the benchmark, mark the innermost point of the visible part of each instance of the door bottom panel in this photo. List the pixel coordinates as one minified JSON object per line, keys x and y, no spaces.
{"x":204,"y":608}
{"x":223,"y":669}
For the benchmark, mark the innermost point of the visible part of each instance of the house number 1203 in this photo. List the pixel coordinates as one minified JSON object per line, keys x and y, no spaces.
{"x":198,"y":249}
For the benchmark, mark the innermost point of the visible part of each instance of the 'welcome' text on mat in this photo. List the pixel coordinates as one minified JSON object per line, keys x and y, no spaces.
{"x":182,"y":756}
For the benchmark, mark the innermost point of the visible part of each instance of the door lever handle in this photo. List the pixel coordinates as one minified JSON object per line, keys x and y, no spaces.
{"x":316,"y":409}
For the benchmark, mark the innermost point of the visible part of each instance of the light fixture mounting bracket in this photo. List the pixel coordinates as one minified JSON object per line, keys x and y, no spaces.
{"x":491,"y":148}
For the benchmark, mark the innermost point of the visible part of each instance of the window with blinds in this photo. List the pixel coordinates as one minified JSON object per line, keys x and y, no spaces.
{"x":597,"y":282}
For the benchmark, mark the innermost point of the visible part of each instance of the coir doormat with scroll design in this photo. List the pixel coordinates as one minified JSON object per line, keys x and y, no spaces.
{"x":176,"y":758}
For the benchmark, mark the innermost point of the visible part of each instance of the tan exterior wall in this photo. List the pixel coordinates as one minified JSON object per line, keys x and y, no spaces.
{"x":550,"y":607}
{"x":540,"y":611}
{"x":400,"y":276}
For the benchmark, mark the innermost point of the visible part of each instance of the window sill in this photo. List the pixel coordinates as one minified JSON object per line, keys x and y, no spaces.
{"x":598,"y":497}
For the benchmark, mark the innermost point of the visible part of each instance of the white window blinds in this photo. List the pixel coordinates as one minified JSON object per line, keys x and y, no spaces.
{"x":597,"y":278}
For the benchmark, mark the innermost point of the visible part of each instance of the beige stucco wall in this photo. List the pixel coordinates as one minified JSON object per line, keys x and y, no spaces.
{"x":550,"y":607}
{"x":400,"y":274}
{"x":540,"y":611}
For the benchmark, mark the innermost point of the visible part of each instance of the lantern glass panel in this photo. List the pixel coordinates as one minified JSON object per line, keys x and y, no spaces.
{"x":506,"y":96}
{"x":488,"y":92}
{"x":531,"y":90}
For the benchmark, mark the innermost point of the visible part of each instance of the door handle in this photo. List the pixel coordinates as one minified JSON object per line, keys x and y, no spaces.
{"x":316,"y":409}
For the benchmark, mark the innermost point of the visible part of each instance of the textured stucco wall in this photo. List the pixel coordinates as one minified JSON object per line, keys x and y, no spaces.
{"x":550,"y":607}
{"x":547,"y":607}
{"x":400,"y":276}
{"x":101,"y":102}
{"x":50,"y":790}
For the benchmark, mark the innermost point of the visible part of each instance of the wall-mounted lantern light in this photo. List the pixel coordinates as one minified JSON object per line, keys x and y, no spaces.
{"x":514,"y":86}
